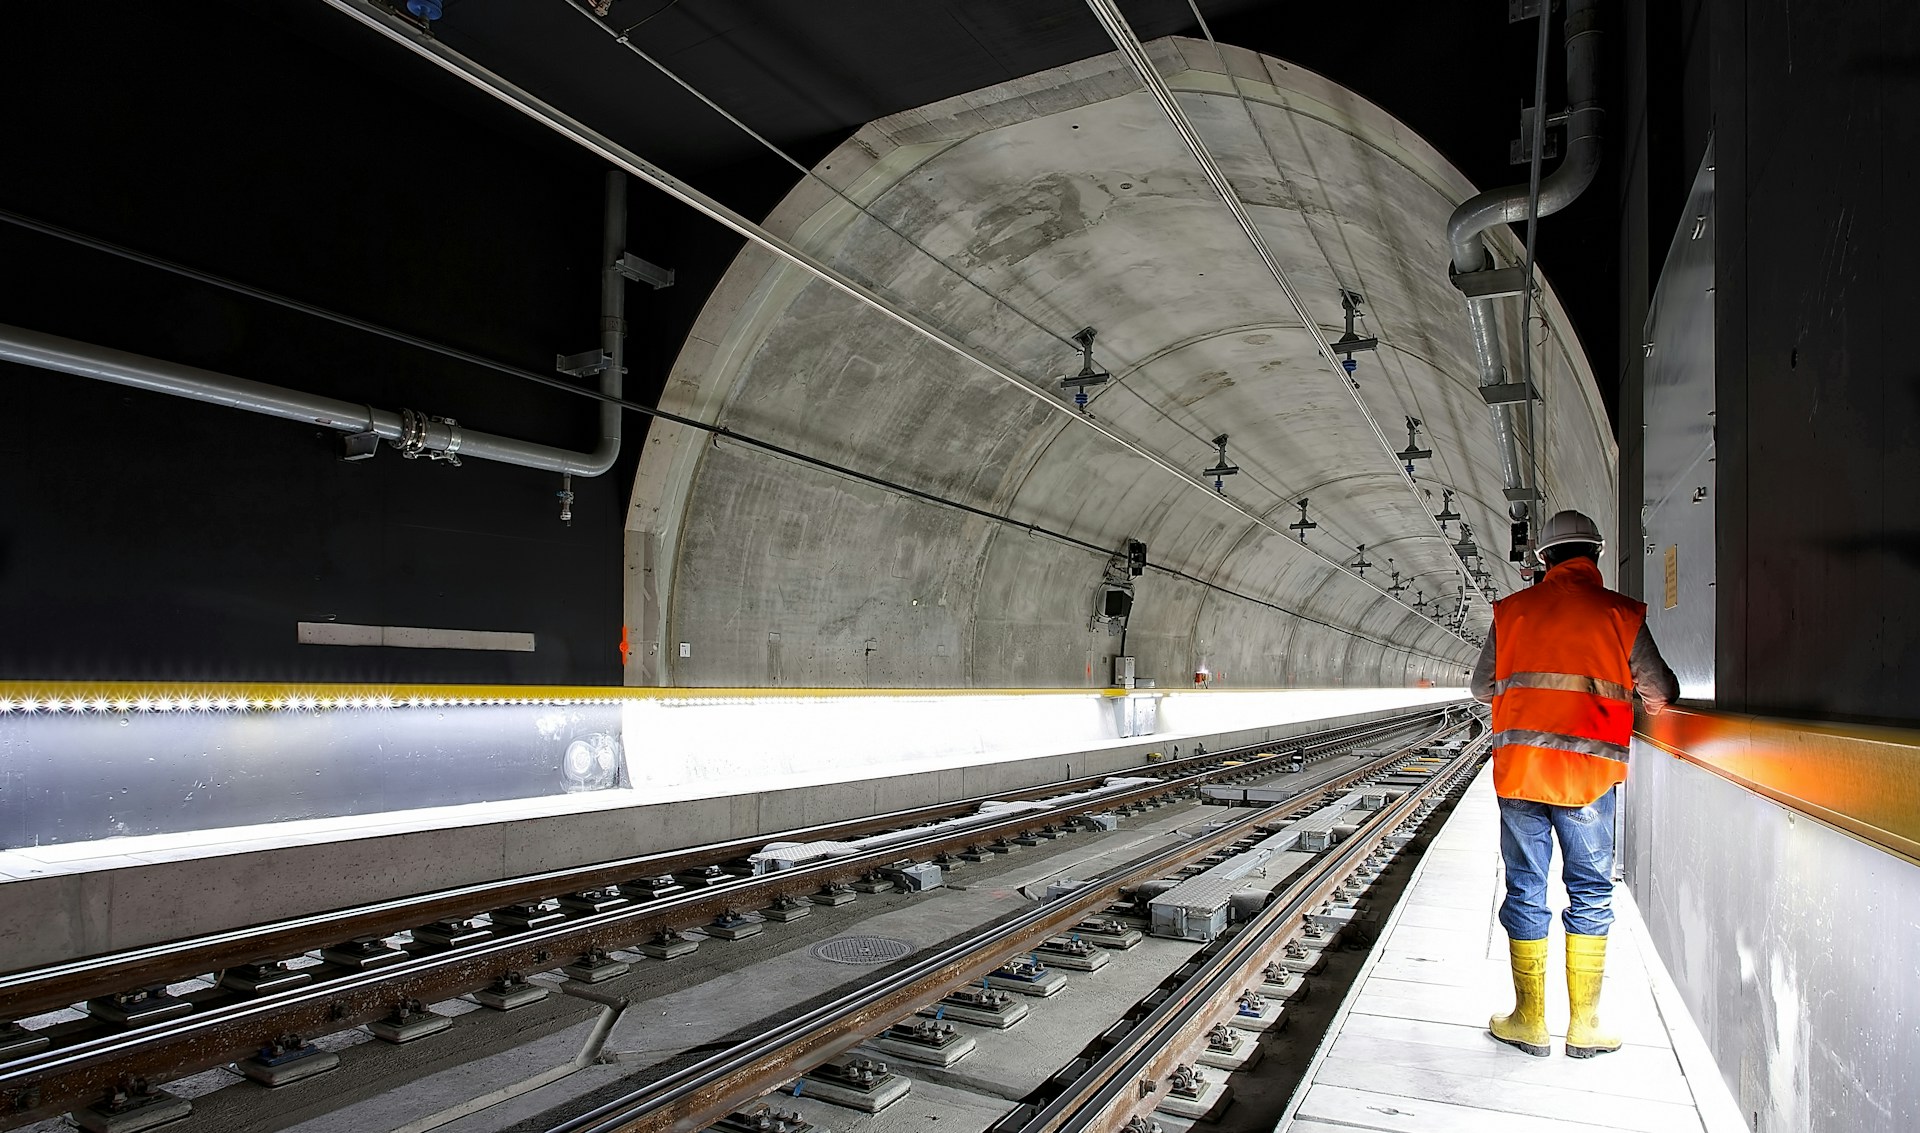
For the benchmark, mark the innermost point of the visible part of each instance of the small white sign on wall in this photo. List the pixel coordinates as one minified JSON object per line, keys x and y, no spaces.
{"x":686,"y":649}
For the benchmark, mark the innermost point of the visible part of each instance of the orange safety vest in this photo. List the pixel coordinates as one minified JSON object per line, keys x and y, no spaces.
{"x":1563,"y":687}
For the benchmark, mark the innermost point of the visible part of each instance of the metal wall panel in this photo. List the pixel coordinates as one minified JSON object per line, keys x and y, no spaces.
{"x":1794,"y":946}
{"x":71,"y":777}
{"x":1677,"y":558}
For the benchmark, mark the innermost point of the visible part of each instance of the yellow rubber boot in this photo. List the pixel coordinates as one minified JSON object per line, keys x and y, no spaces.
{"x":1586,"y":961}
{"x":1526,"y":1026}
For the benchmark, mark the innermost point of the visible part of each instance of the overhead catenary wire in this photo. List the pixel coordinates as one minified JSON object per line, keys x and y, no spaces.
{"x":1121,"y":33}
{"x":1285,"y":495}
{"x":385,"y":22}
{"x":1399,"y":353}
{"x":716,"y":430}
{"x":160,"y":263}
{"x":1273,"y":158}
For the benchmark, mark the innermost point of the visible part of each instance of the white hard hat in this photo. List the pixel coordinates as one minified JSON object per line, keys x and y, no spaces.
{"x":1569,"y":527}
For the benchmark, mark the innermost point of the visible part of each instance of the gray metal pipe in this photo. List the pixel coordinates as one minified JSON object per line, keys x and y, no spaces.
{"x":613,"y":326}
{"x":1509,"y":206}
{"x":86,"y":360}
{"x":422,"y":433}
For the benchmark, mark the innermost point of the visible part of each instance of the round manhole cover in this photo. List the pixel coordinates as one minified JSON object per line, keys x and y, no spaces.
{"x":862,"y":949}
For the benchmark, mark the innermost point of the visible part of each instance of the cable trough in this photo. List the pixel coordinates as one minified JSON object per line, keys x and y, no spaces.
{"x":382,"y":962}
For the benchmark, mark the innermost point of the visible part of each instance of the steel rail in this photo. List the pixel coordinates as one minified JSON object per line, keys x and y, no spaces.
{"x":700,"y":1094}
{"x":1115,"y":1087}
{"x":31,"y":991}
{"x":66,"y":1076}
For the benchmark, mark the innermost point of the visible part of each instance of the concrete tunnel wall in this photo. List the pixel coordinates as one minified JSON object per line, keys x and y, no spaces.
{"x":1068,"y":194}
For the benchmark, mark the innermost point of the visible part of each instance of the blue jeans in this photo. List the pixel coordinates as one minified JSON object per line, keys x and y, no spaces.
{"x":1527,"y":830}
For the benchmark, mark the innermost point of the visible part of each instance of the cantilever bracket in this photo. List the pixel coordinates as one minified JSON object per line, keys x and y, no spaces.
{"x":585,"y":364}
{"x":641,"y":271}
{"x":1509,"y":393}
{"x":1489,"y":283}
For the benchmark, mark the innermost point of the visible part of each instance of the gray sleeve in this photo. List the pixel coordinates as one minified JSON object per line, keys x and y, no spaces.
{"x":1483,"y":671}
{"x":1652,"y":679}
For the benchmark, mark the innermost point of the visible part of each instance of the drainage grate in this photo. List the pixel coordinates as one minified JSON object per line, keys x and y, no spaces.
{"x":862,"y":949}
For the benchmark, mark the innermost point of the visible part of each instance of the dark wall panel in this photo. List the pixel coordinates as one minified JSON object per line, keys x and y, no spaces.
{"x":147,"y":537}
{"x":1819,"y":393}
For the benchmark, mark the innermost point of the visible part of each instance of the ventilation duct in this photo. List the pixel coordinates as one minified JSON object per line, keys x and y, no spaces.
{"x":1472,"y":264}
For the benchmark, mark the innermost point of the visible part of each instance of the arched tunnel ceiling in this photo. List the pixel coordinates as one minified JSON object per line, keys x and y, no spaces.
{"x":1012,"y":217}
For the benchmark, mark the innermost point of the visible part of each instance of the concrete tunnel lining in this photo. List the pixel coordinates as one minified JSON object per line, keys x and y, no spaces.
{"x":776,"y":574}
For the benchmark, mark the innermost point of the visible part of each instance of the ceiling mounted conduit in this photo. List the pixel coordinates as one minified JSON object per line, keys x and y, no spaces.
{"x":418,"y":40}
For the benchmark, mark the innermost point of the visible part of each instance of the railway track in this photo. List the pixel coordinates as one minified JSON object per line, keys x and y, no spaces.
{"x":711,"y":1090}
{"x":1135,"y":1072}
{"x":387,"y":959}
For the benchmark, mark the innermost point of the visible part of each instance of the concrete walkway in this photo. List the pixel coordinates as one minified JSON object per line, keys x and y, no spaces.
{"x":1410,"y":1050}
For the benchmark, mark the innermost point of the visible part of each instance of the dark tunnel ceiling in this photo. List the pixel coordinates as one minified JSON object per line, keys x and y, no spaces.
{"x":807,"y":73}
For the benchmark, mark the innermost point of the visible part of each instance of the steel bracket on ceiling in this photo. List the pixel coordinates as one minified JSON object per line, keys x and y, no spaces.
{"x":1522,"y":495}
{"x":585,"y":364}
{"x":641,"y":271}
{"x":1509,"y":393}
{"x":1520,"y":150}
{"x":1489,"y":283}
{"x":359,"y":446}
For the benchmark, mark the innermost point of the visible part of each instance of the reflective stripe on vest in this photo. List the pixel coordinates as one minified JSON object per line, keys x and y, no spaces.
{"x":1566,"y":682}
{"x":1519,"y":737}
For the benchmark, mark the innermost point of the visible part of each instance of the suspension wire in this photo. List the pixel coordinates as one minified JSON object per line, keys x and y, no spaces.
{"x":1113,"y":22}
{"x":1273,"y":158}
{"x":621,"y":38}
{"x":1283,"y":498}
{"x":1446,"y":478}
{"x":264,"y":296}
{"x":1202,"y":436}
{"x":716,"y":430}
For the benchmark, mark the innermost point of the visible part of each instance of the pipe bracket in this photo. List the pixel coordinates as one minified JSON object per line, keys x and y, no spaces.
{"x":1489,"y":283}
{"x":1509,"y":393}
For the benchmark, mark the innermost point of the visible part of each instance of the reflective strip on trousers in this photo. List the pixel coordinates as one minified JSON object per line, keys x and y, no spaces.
{"x":1565,"y":682}
{"x":1520,"y":737}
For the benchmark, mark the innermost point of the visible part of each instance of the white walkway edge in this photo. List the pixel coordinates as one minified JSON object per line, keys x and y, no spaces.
{"x":1408,"y":1050}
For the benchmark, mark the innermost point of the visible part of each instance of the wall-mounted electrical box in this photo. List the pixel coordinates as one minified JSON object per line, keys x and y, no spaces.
{"x":1123,"y":672}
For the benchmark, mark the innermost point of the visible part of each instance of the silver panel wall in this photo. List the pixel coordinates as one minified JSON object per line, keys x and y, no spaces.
{"x":73,"y":777}
{"x":1679,"y":490}
{"x":1795,"y":947}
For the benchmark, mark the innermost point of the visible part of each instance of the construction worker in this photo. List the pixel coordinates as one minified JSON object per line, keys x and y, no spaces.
{"x":1561,"y":666}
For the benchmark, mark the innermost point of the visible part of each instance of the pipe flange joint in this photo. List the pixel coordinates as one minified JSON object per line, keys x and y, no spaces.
{"x":412,"y":441}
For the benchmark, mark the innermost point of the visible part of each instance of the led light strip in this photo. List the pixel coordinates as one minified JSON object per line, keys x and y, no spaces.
{"x":78,"y":705}
{"x":18,"y":698}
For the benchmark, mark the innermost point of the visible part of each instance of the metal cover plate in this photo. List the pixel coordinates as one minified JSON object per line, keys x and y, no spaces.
{"x":862,"y":949}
